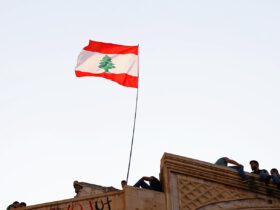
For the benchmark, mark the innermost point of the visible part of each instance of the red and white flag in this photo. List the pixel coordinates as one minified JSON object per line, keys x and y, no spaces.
{"x":118,"y":63}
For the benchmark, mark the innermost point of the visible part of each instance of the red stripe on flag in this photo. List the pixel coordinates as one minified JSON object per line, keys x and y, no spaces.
{"x":122,"y":79}
{"x":109,"y":48}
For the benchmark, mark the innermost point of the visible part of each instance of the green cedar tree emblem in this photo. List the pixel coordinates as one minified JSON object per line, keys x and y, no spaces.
{"x":106,"y":63}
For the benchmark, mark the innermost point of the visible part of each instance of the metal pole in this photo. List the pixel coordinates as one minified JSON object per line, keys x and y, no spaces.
{"x":133,"y":131}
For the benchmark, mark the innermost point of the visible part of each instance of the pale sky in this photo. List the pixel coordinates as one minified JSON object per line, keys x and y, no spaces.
{"x":209,"y":87}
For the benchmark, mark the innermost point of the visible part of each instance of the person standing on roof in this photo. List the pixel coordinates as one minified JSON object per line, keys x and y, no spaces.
{"x":224,"y":161}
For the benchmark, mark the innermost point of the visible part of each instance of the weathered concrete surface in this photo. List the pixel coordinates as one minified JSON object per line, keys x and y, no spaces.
{"x":188,"y":185}
{"x":130,"y":198}
{"x":196,"y":185}
{"x":85,"y":189}
{"x":110,"y":201}
{"x":140,"y":199}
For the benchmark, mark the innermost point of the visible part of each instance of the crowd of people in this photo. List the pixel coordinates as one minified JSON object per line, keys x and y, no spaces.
{"x":264,"y":175}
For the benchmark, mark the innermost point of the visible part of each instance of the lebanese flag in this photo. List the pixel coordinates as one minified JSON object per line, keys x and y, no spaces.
{"x":118,"y":63}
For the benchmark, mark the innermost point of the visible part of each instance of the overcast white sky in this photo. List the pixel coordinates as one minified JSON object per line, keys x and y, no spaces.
{"x":209,"y":87}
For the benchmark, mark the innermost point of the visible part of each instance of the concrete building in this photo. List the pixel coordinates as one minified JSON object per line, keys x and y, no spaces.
{"x":188,"y":185}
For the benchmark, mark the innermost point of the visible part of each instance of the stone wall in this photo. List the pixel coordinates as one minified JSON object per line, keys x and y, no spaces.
{"x":104,"y":201}
{"x":196,"y":185}
{"x":130,"y":198}
{"x":188,"y":184}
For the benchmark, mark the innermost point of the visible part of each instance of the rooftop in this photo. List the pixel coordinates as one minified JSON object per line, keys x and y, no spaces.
{"x":188,"y":184}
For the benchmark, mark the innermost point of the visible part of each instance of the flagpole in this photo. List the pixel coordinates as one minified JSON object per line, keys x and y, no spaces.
{"x":134,"y":123}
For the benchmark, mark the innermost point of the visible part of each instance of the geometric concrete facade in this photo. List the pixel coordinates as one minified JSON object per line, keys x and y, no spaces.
{"x":196,"y":185}
{"x":188,"y":185}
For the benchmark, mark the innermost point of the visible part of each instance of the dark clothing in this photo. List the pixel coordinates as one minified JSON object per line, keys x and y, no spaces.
{"x":141,"y":183}
{"x":154,"y":184}
{"x":240,"y":170}
{"x":222,"y":162}
{"x":264,"y":175}
{"x":256,"y":172}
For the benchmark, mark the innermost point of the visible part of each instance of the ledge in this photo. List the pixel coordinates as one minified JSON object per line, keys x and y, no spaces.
{"x":171,"y":163}
{"x":130,"y":198}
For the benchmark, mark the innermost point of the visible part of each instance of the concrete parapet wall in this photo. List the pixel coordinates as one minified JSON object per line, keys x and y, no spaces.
{"x":196,"y":185}
{"x":141,"y":199}
{"x":106,"y":201}
{"x":130,"y":198}
{"x":188,"y":184}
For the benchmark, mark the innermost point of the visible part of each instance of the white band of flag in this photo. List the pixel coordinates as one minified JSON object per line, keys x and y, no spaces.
{"x":118,"y":63}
